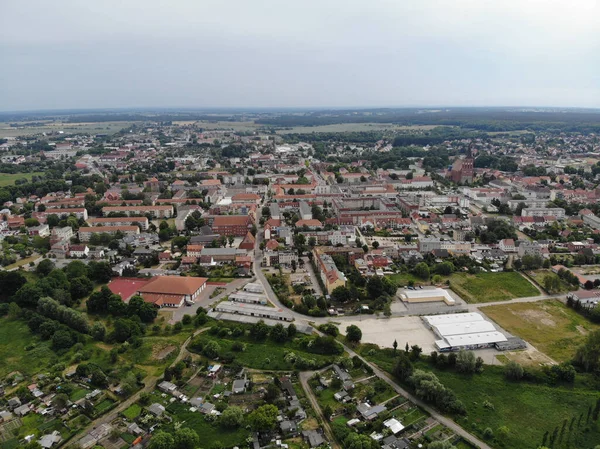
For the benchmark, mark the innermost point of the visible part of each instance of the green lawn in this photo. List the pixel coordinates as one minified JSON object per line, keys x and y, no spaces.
{"x":103,"y":407}
{"x":209,"y":433}
{"x":550,"y":326}
{"x":8,"y":179}
{"x":132,"y":412}
{"x":14,"y":338}
{"x":78,"y":394}
{"x":490,"y":287}
{"x":402,"y":279}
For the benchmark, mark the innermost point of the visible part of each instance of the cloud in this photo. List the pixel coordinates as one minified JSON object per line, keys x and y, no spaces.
{"x":309,"y":53}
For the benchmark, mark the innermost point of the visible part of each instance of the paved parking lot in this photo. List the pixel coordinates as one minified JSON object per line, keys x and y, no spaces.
{"x":384,"y":331}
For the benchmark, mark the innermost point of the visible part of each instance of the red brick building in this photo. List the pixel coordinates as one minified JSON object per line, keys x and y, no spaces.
{"x":237,"y":225}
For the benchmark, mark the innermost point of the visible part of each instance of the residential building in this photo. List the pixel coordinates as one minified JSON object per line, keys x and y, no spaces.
{"x":331,"y":276}
{"x":507,"y":245}
{"x":119,"y":221}
{"x":78,"y":251}
{"x":557,"y":212}
{"x":86,"y":233}
{"x":165,"y":211}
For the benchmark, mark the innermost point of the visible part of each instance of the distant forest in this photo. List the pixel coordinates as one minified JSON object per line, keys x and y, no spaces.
{"x":486,"y":120}
{"x":474,"y":119}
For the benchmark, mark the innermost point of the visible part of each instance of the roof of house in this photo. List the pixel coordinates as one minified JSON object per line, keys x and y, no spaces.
{"x":272,"y":245}
{"x":101,"y":229}
{"x":245,"y":196}
{"x":311,"y":222}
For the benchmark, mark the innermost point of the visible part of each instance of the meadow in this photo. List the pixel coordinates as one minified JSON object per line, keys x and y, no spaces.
{"x":490,"y":287}
{"x":8,"y":179}
{"x":518,"y":413}
{"x":550,"y":326}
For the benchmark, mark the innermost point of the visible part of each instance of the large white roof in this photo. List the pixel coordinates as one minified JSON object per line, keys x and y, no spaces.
{"x":436,"y":320}
{"x":470,"y":327}
{"x":475,"y":339}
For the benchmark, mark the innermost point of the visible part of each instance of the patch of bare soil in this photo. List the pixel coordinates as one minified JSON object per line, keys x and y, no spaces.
{"x":537,"y":316}
{"x":160,"y":353}
{"x":529,"y":357}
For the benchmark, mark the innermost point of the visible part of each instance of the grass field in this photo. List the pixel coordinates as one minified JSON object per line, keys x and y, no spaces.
{"x":22,"y":262}
{"x":490,"y":287}
{"x":527,"y":410}
{"x":265,"y":355}
{"x":402,"y":279}
{"x":68,"y":128}
{"x":8,"y":179}
{"x":14,"y":338}
{"x":354,"y":127}
{"x":550,"y":326}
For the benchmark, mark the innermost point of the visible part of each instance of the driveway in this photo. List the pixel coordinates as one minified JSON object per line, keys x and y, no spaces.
{"x":204,"y":300}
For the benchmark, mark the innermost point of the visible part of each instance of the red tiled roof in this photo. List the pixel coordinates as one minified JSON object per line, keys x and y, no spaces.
{"x":173,"y":285}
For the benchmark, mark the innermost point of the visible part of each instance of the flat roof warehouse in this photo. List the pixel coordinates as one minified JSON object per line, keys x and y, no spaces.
{"x":463,"y":331}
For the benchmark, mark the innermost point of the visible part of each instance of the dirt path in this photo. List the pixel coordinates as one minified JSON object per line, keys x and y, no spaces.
{"x":304,"y":377}
{"x":149,"y":384}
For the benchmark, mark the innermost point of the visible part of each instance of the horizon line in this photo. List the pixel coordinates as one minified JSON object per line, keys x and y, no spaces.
{"x":280,"y":108}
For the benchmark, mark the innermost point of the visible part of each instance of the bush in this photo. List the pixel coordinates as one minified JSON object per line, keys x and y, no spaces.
{"x":488,"y":433}
{"x":513,"y":371}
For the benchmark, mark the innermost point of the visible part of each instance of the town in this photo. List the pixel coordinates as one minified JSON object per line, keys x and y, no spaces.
{"x":266,"y":282}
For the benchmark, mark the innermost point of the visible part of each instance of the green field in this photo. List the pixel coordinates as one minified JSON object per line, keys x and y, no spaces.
{"x":68,"y":128}
{"x":264,"y":355}
{"x":14,"y":338}
{"x":490,"y":287}
{"x":527,"y":409}
{"x":402,"y":279}
{"x":549,"y":325}
{"x":8,"y":179}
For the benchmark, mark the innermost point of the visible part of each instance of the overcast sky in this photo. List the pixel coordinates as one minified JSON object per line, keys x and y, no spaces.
{"x":298,"y":53}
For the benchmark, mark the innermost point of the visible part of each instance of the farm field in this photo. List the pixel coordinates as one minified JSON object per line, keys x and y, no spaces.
{"x":8,"y":179}
{"x":549,"y":325}
{"x":352,"y":127}
{"x":69,"y":128}
{"x":490,"y":287}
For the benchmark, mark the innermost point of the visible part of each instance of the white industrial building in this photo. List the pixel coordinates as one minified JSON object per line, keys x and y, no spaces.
{"x":253,"y":310}
{"x":427,"y":295}
{"x":463,"y":331}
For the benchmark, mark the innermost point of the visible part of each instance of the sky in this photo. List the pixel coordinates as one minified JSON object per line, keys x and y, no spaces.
{"x":287,"y":53}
